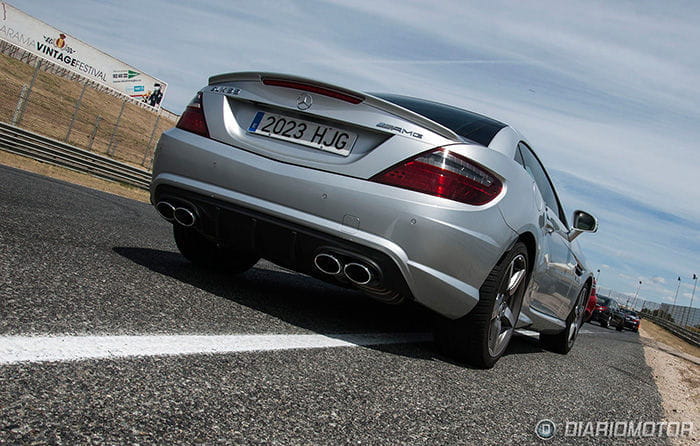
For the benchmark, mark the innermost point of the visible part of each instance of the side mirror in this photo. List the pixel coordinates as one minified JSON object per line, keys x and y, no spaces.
{"x":583,"y":222}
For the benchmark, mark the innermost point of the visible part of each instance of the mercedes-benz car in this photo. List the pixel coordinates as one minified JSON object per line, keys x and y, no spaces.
{"x":404,"y":199}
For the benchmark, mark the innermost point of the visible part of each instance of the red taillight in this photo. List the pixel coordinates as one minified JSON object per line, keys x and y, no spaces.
{"x":192,"y":119}
{"x":601,"y":308}
{"x":444,"y":174}
{"x":337,"y":94}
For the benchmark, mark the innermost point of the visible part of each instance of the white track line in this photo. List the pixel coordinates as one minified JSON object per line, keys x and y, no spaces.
{"x":15,"y":349}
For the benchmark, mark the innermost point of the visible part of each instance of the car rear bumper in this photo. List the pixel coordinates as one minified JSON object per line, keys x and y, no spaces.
{"x":441,"y":250}
{"x":632,"y":325}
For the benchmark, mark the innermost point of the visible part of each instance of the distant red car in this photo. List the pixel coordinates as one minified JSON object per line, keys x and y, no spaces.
{"x":590,"y":306}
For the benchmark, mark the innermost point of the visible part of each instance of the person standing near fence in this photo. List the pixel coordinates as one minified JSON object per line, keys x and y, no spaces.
{"x":155,"y":97}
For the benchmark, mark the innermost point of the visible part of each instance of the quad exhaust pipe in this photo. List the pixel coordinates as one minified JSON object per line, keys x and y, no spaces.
{"x":181,"y":215}
{"x":185,"y":217}
{"x":166,"y":210}
{"x":328,"y":264}
{"x":356,"y":272}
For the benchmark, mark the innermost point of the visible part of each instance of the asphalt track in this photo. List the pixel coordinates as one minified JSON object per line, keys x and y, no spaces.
{"x":87,"y":267}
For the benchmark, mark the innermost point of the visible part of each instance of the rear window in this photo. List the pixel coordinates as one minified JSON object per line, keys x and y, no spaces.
{"x":603,"y":301}
{"x":469,"y":125}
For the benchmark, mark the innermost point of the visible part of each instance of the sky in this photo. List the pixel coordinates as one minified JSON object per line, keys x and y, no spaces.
{"x":606,"y":92}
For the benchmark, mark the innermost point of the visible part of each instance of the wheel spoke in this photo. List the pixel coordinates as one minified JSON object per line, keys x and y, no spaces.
{"x":515,"y":281}
{"x":498,"y":336}
{"x":509,"y":316}
{"x":497,"y":306}
{"x":502,"y":338}
{"x":516,"y":274}
{"x":573,"y":330}
{"x":494,"y":331}
{"x":509,"y":275}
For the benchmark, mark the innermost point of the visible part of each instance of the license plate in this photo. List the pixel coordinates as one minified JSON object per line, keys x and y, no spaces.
{"x":306,"y":133}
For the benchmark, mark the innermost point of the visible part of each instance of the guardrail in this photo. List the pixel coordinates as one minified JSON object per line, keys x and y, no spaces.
{"x":23,"y":142}
{"x":683,"y":333}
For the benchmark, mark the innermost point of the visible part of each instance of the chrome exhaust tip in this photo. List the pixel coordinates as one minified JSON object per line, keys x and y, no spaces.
{"x":184,"y":216}
{"x":328,"y":263}
{"x":166,"y":210}
{"x":358,"y":273}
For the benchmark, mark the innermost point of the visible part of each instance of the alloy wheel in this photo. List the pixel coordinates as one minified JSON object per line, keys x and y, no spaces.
{"x":506,"y":305}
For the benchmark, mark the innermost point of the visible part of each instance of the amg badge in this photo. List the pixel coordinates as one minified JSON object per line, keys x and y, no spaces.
{"x":399,"y":130}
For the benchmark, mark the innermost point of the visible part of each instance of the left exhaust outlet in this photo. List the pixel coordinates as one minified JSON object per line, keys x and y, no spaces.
{"x":184,"y":216}
{"x":328,"y":263}
{"x":166,"y":210}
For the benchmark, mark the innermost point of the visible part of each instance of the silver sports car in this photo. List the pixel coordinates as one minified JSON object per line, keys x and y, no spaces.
{"x":401,"y":198}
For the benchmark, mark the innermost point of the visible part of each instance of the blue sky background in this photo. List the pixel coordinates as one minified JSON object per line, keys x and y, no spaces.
{"x":607,"y":92}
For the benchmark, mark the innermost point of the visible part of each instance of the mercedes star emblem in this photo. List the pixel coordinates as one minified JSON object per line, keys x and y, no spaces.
{"x":304,"y":101}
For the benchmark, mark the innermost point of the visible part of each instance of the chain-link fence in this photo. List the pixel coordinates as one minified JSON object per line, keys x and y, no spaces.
{"x":45,"y":98}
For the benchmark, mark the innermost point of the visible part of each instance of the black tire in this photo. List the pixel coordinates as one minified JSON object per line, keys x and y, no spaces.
{"x":205,"y":253}
{"x":605,"y":323}
{"x":467,"y":339}
{"x":563,"y":342}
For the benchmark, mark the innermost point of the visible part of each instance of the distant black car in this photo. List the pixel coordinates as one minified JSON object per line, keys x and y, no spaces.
{"x":607,"y":312}
{"x":631,"y":319}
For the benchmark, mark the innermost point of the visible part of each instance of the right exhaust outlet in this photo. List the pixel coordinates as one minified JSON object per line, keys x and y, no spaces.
{"x":184,"y":216}
{"x":358,"y":273}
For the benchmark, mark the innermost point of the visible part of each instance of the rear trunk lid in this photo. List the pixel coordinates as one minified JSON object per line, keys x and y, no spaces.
{"x":314,"y":124}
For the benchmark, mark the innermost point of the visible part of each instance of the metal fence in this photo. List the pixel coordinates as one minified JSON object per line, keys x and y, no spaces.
{"x":690,"y":336}
{"x":676,"y":314}
{"x":48,"y":99}
{"x":27,"y":143}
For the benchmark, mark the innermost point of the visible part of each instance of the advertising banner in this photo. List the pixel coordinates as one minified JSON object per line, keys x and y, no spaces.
{"x":56,"y":46}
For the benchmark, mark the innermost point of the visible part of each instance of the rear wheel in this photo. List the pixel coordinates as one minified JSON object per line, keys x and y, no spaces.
{"x":203,"y":252}
{"x":605,"y":322}
{"x":481,"y":337}
{"x":562,"y":342}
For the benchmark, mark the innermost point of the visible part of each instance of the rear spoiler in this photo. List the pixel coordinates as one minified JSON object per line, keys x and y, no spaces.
{"x":368,"y":99}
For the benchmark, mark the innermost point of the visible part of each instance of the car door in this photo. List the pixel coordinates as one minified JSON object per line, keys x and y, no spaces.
{"x":554,"y":276}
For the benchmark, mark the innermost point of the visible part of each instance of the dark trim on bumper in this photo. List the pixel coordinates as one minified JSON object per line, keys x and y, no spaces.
{"x":284,"y":243}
